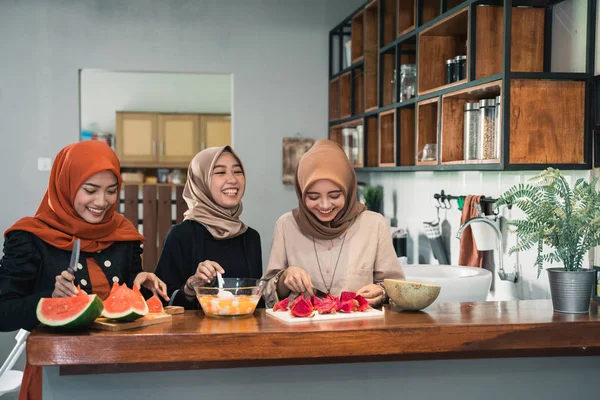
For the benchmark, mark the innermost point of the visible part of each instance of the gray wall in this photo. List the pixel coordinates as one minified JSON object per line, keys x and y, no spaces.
{"x":276,"y":50}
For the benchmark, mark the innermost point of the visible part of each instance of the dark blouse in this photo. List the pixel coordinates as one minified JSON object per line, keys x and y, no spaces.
{"x":29,"y":268}
{"x":189,"y":243}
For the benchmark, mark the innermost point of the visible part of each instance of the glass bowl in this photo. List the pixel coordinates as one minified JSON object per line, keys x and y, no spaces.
{"x":238,"y":298}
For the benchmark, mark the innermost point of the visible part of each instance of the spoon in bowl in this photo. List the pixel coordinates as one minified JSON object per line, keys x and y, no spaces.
{"x":223,"y":294}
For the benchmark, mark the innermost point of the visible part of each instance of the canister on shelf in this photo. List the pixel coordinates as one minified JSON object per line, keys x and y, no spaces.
{"x":451,"y":71}
{"x":498,"y":126}
{"x":461,"y":67}
{"x":487,"y":128}
{"x":471,"y":132}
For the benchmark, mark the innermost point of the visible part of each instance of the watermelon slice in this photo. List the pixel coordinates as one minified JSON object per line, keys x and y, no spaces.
{"x":124,"y":304}
{"x":70,"y":312}
{"x":154,"y":305}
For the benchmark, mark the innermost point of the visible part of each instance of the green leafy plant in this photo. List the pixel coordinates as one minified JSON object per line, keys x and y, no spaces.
{"x":564,"y":219}
{"x":373,"y":196}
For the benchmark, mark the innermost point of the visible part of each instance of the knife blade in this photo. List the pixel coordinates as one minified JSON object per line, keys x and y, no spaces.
{"x":319,"y":293}
{"x":74,"y":258}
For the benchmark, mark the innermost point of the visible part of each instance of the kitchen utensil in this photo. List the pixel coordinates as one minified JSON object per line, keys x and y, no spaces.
{"x":74,"y":258}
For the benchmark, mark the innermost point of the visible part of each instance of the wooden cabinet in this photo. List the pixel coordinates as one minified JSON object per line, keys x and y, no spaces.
{"x":136,"y":137}
{"x":155,"y":140}
{"x":178,"y":137}
{"x":215,"y":131}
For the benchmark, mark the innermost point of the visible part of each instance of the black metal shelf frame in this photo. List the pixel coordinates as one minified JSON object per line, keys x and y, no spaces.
{"x":592,"y":91}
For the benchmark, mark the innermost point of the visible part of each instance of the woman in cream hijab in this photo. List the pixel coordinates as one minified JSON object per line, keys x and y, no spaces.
{"x":212,"y":238}
{"x":330,"y":242}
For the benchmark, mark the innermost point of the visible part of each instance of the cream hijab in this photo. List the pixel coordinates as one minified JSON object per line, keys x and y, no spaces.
{"x":221,"y":222}
{"x":326,"y":160}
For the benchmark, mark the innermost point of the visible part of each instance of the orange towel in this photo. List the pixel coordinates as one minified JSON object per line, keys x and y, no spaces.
{"x":469,"y":255}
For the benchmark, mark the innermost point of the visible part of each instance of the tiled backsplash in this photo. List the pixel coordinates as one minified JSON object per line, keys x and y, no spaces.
{"x":415,"y":204}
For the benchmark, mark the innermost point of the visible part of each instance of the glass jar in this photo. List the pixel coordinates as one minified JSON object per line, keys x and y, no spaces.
{"x":450,"y":71}
{"x":487,"y":128}
{"x":498,"y":126}
{"x":360,"y":144}
{"x":461,"y":67}
{"x":347,"y":143}
{"x":471,"y":132}
{"x":408,"y":79}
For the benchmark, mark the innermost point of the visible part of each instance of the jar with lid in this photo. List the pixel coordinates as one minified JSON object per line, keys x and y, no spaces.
{"x":451,"y":71}
{"x":471,"y":132}
{"x":461,"y":67}
{"x":408,"y":78}
{"x":487,"y":128}
{"x":498,"y":126}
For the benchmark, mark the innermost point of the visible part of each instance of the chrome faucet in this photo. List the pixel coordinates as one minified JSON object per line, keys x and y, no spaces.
{"x":511,"y":277}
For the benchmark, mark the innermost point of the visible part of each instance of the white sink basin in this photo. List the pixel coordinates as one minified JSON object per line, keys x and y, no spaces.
{"x":459,"y":284}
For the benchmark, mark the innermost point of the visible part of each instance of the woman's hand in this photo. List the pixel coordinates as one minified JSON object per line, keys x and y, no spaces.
{"x":297,"y":280}
{"x":64,"y":286}
{"x":205,"y":273}
{"x":372,"y":293}
{"x":152,"y":283}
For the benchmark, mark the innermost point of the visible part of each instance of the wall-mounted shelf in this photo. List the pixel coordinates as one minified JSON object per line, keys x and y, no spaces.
{"x":546,"y":116}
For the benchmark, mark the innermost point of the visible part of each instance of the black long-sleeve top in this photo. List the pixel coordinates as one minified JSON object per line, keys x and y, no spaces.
{"x":189,"y":243}
{"x":29,"y":268}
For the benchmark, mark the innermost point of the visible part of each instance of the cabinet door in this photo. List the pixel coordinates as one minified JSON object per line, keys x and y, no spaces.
{"x":136,"y":137}
{"x":179,"y":137}
{"x":216,"y":131}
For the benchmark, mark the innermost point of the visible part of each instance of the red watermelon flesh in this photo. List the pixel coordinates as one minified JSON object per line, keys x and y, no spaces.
{"x":282,"y":305}
{"x":70,"y":312}
{"x":345,"y":296}
{"x":363,"y":304}
{"x":124,"y":304}
{"x":154,"y":305}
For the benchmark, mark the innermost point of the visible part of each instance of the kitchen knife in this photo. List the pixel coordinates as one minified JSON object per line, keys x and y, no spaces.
{"x":74,"y":258}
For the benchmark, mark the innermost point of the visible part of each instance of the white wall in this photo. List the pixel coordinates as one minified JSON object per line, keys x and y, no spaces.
{"x":103,"y":93}
{"x":275,"y":49}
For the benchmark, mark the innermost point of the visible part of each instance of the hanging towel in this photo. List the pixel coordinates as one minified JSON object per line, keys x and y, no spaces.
{"x":468,"y":254}
{"x":433,"y":231}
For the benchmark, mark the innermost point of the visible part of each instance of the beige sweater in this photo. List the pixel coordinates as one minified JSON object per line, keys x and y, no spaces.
{"x":367,"y":256}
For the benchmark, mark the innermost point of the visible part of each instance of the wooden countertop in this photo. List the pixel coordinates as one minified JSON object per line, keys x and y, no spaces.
{"x":193,"y":341}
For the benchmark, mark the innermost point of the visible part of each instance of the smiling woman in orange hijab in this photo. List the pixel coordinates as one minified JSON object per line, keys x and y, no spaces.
{"x":79,"y":203}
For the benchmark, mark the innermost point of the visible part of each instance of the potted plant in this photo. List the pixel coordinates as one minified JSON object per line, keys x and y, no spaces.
{"x":373,"y":196}
{"x":566,"y":220}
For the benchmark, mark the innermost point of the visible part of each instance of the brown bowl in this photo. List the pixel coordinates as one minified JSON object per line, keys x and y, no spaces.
{"x":410,"y":296}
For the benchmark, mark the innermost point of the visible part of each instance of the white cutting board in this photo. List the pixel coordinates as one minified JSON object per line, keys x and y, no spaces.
{"x":287,"y":317}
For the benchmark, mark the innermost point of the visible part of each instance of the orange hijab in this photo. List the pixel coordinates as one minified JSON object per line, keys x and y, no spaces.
{"x":326,"y":160}
{"x":57,"y":223}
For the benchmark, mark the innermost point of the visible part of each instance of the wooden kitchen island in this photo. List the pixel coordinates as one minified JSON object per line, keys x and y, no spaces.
{"x":518,"y":349}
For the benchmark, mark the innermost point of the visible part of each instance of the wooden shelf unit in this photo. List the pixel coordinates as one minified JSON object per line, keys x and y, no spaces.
{"x":334,"y":99}
{"x":438,"y":43}
{"x":406,"y":16}
{"x":371,"y":55}
{"x":358,"y":34}
{"x":452,"y":122}
{"x":387,"y":138}
{"x":545,"y":115}
{"x":427,"y":128}
{"x":389,"y":78}
{"x":527,"y":40}
{"x":345,"y":95}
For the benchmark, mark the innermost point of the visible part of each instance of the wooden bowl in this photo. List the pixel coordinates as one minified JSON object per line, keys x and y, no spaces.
{"x":410,"y":296}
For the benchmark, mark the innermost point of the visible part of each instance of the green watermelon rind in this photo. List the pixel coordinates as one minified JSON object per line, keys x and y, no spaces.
{"x":126,"y":316}
{"x":83,"y":319}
